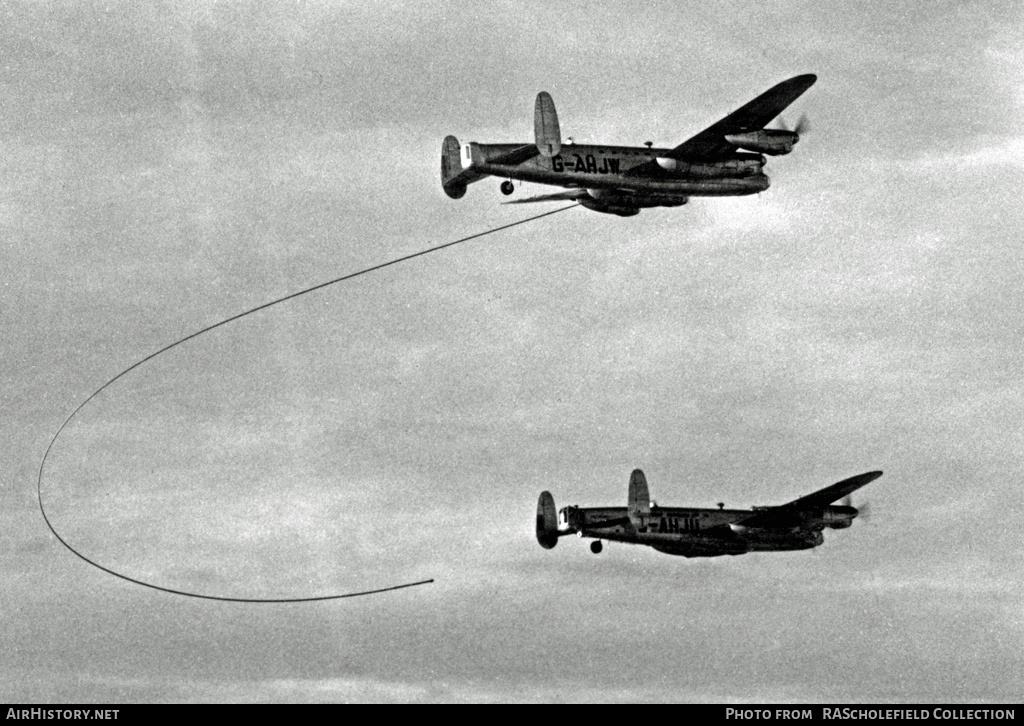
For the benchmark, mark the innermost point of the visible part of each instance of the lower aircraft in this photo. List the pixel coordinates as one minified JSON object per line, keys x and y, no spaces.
{"x":690,"y":532}
{"x":623,"y":179}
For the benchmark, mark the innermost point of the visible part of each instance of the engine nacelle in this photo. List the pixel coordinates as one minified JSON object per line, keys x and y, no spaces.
{"x":619,"y":209}
{"x":774,"y":540}
{"x":741,"y":166}
{"x":547,"y":521}
{"x":838,"y":516}
{"x":773,"y":142}
{"x":626,"y":204}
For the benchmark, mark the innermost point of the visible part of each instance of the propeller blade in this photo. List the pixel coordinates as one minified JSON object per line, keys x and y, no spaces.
{"x":863,"y":511}
{"x":803,"y":125}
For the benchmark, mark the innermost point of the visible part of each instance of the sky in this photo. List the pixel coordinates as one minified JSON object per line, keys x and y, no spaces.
{"x":164,"y":166}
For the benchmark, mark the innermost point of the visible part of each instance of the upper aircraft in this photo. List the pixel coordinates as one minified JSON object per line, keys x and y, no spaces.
{"x":623,"y":180}
{"x":691,"y":532}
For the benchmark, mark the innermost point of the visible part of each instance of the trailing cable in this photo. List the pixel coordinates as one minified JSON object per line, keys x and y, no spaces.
{"x":151,"y":356}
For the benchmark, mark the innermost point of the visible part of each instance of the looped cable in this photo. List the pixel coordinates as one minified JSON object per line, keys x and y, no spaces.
{"x":126,"y":371}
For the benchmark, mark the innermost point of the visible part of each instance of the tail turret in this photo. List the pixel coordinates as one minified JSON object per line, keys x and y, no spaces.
{"x":454,"y":176}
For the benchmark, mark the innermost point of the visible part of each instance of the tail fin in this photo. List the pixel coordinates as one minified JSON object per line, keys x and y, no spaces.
{"x":547,"y":521}
{"x":455,"y":177}
{"x":639,"y":505}
{"x":451,"y":168}
{"x":546,"y":132}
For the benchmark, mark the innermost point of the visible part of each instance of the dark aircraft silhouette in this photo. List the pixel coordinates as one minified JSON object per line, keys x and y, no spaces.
{"x":622,"y":180}
{"x":690,"y":532}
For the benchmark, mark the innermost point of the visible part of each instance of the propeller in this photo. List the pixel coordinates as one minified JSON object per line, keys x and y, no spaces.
{"x":803,"y":125}
{"x":863,"y":511}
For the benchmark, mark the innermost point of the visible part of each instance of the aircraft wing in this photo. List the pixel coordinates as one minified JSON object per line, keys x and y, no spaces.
{"x":516,"y":156}
{"x":789,"y":515}
{"x":570,"y":195}
{"x":711,"y":144}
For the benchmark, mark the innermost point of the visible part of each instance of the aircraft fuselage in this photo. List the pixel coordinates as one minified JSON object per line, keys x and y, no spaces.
{"x":641,"y":169}
{"x":686,"y":532}
{"x":694,"y":532}
{"x":724,"y":160}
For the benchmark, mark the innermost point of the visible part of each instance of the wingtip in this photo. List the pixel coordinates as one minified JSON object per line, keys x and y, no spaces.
{"x":792,"y":88}
{"x":803,"y":81}
{"x":860,"y":480}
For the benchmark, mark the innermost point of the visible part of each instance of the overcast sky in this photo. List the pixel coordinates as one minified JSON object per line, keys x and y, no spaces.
{"x":164,"y":166}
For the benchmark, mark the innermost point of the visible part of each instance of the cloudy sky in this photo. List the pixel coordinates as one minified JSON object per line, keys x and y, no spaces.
{"x":164,"y":166}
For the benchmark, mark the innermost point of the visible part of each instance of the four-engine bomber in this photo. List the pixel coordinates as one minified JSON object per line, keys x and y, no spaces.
{"x":623,"y":180}
{"x":692,"y":532}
